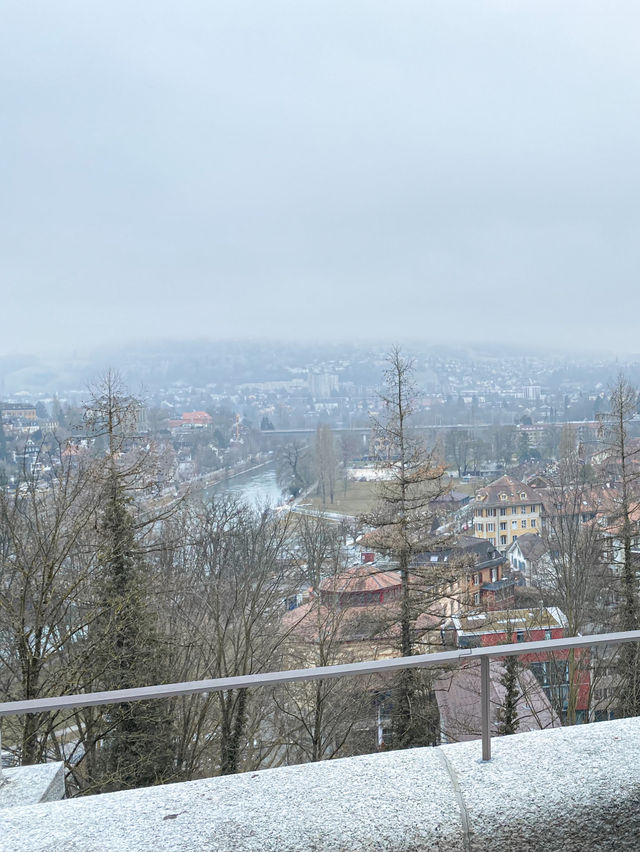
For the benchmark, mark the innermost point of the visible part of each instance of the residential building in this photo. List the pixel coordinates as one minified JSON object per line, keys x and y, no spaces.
{"x":529,"y":558}
{"x":16,"y":411}
{"x":476,"y":576}
{"x":361,"y":585}
{"x":322,"y":385}
{"x":192,"y":420}
{"x":458,"y":695}
{"x":532,"y":625}
{"x":505,"y":510}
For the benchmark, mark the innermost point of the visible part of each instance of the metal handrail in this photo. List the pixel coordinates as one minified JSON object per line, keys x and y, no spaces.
{"x":169,"y":690}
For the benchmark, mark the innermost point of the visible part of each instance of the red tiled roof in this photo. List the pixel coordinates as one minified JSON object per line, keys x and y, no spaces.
{"x":361,"y":578}
{"x":196,"y":417}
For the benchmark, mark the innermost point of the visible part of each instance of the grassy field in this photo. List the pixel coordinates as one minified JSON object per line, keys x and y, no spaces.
{"x":360,"y":498}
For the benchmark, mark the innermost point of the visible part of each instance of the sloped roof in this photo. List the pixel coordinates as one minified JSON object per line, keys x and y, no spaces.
{"x":513,"y":488}
{"x":467,"y":551}
{"x":352,"y":624}
{"x":458,"y":697}
{"x":531,"y":546}
{"x":196,"y":417}
{"x":361,"y":578}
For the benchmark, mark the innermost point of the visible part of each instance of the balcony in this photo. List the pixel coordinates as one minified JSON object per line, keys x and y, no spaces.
{"x":574,"y":788}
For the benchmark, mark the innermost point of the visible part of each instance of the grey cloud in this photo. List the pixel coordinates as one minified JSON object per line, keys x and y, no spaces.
{"x":444,"y":169}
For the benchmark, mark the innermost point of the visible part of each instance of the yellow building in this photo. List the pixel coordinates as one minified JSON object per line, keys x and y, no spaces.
{"x":504,"y":510}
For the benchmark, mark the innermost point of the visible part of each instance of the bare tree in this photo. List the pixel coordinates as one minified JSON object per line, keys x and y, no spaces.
{"x":325,"y":462}
{"x":573,"y":573}
{"x":624,"y":459}
{"x":293,"y":466}
{"x":325,"y":719}
{"x":458,"y":449}
{"x":44,"y":573}
{"x":232,"y":600}
{"x":319,"y":718}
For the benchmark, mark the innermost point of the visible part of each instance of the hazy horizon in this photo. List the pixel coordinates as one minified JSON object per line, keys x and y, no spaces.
{"x":106,"y":349}
{"x":336,"y":171}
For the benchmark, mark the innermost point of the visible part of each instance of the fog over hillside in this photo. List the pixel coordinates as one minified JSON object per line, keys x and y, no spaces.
{"x":328,"y":169}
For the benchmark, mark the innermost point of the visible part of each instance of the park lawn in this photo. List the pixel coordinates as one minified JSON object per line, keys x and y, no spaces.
{"x":359,"y":499}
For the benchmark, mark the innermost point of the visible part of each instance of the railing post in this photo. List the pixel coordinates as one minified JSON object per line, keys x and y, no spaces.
{"x":485,"y":707}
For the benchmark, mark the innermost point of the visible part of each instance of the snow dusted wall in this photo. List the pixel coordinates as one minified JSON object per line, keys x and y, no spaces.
{"x":569,"y":789}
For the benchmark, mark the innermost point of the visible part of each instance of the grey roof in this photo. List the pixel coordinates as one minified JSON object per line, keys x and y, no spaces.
{"x":531,"y":546}
{"x":458,"y":696}
{"x":499,"y":584}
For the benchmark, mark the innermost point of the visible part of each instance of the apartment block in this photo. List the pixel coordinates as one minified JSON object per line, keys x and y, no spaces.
{"x":504,"y":510}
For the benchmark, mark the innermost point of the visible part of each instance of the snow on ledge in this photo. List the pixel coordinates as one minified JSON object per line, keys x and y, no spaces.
{"x":570,"y":789}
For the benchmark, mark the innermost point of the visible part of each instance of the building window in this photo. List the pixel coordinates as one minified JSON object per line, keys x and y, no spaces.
{"x":533,"y":522}
{"x":513,"y":510}
{"x":503,"y":511}
{"x":503,"y":496}
{"x":532,"y":509}
{"x":523,"y":525}
{"x":477,"y":579}
{"x":476,"y":598}
{"x":547,"y":634}
{"x":523,"y":496}
{"x":491,"y":527}
{"x":503,"y":525}
{"x":523,"y":510}
{"x":494,"y":571}
{"x":479,"y":527}
{"x":514,"y":525}
{"x":503,"y":539}
{"x":520,"y":635}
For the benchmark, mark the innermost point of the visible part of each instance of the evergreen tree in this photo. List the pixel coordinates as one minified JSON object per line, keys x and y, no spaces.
{"x":524,"y":451}
{"x":58,"y":413}
{"x":136,"y":748}
{"x":402,"y":522}
{"x":508,"y":720}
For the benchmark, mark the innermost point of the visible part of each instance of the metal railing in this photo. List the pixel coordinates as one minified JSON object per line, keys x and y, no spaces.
{"x":459,"y":655}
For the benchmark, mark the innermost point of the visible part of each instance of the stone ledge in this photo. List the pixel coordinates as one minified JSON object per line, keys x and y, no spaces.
{"x":29,"y":785}
{"x":570,"y":789}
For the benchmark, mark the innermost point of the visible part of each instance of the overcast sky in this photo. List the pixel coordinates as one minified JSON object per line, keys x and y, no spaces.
{"x":330,"y":168}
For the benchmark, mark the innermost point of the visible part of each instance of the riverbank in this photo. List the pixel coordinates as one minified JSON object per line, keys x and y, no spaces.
{"x":217,"y":477}
{"x":209,"y":482}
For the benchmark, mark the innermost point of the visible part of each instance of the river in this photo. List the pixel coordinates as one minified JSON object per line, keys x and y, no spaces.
{"x":256,"y":487}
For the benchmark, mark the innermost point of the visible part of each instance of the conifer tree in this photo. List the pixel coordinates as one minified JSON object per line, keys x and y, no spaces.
{"x":136,"y":748}
{"x":508,"y":720}
{"x":402,"y":521}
